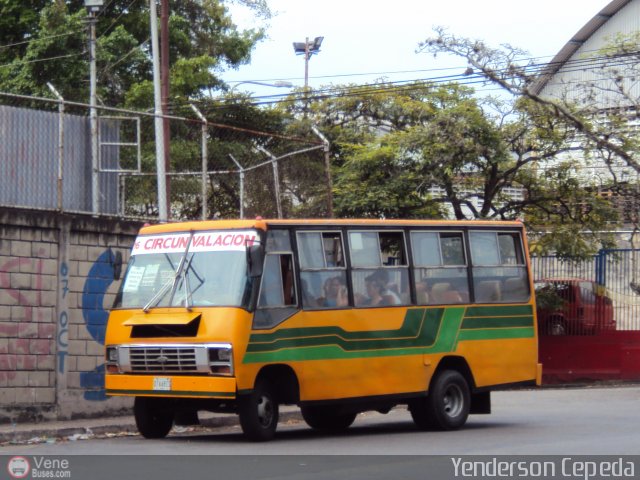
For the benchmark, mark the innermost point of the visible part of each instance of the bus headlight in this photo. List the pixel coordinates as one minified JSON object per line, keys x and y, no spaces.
{"x":111,"y":357}
{"x":221,"y":360}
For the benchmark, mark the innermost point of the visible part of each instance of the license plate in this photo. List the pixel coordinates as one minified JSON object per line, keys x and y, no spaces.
{"x":161,"y":383}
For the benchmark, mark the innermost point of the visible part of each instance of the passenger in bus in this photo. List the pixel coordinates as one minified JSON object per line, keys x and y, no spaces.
{"x":390,"y":293}
{"x":422,"y":291}
{"x":335,"y":293}
{"x":377,"y":291}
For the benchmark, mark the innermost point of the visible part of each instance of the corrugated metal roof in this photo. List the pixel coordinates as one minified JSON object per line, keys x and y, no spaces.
{"x":576,"y":42}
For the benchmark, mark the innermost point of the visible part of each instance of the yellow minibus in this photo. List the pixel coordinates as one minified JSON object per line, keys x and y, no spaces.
{"x":335,"y":316}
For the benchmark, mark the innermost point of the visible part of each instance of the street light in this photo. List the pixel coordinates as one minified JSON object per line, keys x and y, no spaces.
{"x":93,"y":7}
{"x":276,"y":84}
{"x":307,"y":49}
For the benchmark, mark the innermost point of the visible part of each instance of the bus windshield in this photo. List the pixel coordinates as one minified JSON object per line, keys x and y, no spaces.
{"x":187,"y":270}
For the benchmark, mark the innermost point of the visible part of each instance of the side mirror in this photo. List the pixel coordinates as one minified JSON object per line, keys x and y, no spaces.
{"x":255,"y":259}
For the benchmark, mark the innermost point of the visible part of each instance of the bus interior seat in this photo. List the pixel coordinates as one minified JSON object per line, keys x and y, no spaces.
{"x":489,"y":291}
{"x":438,"y":290}
{"x":451,"y":296}
{"x":422,"y":297}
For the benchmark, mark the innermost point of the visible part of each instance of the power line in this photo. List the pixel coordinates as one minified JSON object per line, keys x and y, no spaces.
{"x":67,"y":34}
{"x":24,"y":42}
{"x":534,"y":62}
{"x":532,"y":70}
{"x":18,"y":62}
{"x":122,"y":58}
{"x":115,"y":20}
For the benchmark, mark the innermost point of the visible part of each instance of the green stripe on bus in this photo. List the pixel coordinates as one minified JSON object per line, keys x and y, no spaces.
{"x":499,"y":310}
{"x":419,"y":328}
{"x":496,"y":322}
{"x":438,"y":333}
{"x":496,"y":334}
{"x":410,"y":328}
{"x":424,"y":330}
{"x":444,"y":343}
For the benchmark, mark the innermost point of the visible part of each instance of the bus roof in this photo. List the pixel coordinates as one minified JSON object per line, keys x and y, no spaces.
{"x":264,"y":224}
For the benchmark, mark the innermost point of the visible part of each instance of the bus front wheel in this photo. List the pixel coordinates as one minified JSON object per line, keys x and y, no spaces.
{"x":326,"y":418}
{"x":447,"y":405}
{"x":152,"y":420}
{"x":259,"y":413}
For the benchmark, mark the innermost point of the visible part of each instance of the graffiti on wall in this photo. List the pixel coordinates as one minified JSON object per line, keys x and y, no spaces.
{"x":62,"y":338}
{"x":102,"y":274}
{"x":20,"y":330}
{"x":28,"y":297}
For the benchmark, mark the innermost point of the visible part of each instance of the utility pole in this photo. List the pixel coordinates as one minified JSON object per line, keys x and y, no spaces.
{"x":307,"y":49}
{"x":164,"y":80}
{"x":93,"y":7}
{"x":327,"y":168}
{"x":159,"y":127}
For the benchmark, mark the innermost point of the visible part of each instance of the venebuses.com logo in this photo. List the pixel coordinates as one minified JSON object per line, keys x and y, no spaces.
{"x":18,"y":467}
{"x":38,"y":467}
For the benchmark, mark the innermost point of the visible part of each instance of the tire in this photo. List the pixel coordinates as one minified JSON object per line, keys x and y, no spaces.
{"x":153,"y":418}
{"x":447,"y":405}
{"x":259,"y":413}
{"x":327,"y":418}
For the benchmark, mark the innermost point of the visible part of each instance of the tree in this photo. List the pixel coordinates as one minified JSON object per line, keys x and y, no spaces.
{"x":52,"y":45}
{"x":420,"y":150}
{"x":562,"y":135}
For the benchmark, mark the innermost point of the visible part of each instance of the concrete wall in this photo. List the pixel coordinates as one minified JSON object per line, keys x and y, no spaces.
{"x":56,"y":286}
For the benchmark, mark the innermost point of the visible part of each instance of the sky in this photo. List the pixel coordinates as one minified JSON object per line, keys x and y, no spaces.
{"x":365,"y":40}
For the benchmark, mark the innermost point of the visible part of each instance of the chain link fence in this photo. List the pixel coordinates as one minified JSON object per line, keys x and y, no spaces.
{"x":214,"y":170}
{"x":617,"y":271}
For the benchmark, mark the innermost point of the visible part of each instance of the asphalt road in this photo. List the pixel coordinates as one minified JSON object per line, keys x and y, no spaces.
{"x":570,"y":421}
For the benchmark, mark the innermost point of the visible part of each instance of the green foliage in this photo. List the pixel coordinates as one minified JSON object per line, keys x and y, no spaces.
{"x":567,"y":209}
{"x":547,"y":298}
{"x":54,"y":42}
{"x":374,"y":184}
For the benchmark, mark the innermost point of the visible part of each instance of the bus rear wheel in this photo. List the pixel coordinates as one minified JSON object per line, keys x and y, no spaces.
{"x":259,"y":413}
{"x":447,"y":405}
{"x":326,"y":418}
{"x":153,"y":418}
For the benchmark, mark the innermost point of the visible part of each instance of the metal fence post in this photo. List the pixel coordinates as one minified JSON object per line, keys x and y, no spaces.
{"x":276,"y":178}
{"x":205,"y":154}
{"x":60,"y":144}
{"x":601,"y":267}
{"x":241,"y":171}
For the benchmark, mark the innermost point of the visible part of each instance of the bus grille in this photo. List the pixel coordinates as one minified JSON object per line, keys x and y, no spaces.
{"x":163,"y":360}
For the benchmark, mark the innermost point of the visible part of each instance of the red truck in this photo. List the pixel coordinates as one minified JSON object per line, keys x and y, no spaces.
{"x":573,"y":306}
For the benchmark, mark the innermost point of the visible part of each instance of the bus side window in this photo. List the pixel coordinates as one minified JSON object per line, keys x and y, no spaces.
{"x":499,"y":267}
{"x":380,"y":270}
{"x":277,"y":299}
{"x":278,"y":286}
{"x":440,"y":270}
{"x":323,"y":274}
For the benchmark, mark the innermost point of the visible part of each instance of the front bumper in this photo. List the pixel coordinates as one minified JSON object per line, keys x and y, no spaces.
{"x":181,"y":386}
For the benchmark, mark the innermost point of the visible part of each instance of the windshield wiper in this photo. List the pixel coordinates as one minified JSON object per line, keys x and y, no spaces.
{"x":172,"y":283}
{"x":186,"y":284}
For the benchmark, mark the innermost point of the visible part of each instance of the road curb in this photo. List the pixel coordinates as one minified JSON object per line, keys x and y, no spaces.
{"x":43,"y":433}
